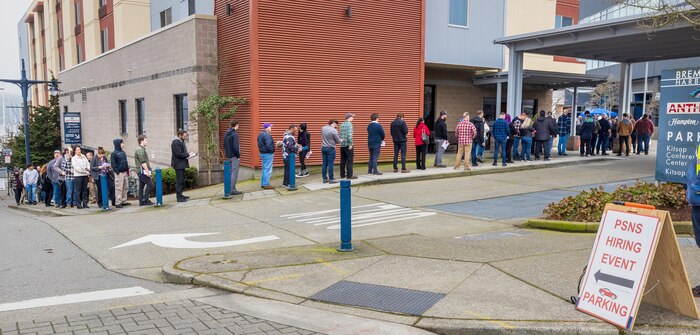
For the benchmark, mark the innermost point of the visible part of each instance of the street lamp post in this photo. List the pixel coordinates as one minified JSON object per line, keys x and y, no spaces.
{"x":24,"y":85}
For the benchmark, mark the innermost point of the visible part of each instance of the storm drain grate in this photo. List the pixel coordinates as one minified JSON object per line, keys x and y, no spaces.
{"x":384,"y":298}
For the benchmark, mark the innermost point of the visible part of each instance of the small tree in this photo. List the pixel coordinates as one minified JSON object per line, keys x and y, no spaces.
{"x":606,"y":95}
{"x":207,"y":115}
{"x":666,"y":12}
{"x":44,"y":135}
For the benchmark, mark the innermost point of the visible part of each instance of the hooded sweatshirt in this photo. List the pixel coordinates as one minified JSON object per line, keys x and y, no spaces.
{"x":120,"y":164}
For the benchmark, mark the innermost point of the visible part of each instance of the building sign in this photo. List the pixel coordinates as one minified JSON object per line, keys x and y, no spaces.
{"x":618,"y":267}
{"x":679,"y":123}
{"x":72,"y":133}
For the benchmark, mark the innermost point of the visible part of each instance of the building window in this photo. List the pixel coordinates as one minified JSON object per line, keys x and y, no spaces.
{"x":459,"y":10}
{"x":61,"y":61}
{"x":140,"y":116}
{"x":563,"y":21}
{"x":79,"y":53}
{"x":166,"y":17}
{"x":190,"y":7}
{"x":122,"y":117}
{"x":103,"y":3}
{"x":104,"y":39}
{"x":76,"y":6}
{"x":182,"y":111}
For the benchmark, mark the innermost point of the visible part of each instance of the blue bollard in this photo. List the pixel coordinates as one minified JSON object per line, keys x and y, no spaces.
{"x":227,"y":179}
{"x":159,"y":188}
{"x":105,"y":192}
{"x":292,"y":172}
{"x":345,"y":217}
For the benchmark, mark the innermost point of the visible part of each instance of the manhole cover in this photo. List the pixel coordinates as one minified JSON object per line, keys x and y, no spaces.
{"x":384,"y":298}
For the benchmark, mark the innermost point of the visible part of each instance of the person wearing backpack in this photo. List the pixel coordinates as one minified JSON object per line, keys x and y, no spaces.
{"x":421,"y":135}
{"x":399,"y":130}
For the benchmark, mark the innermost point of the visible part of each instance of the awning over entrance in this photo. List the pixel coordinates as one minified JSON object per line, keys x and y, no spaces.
{"x":554,"y":80}
{"x":623,"y":40}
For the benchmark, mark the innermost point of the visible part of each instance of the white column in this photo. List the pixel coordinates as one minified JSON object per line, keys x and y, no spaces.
{"x":646,"y":86}
{"x":499,"y":94}
{"x":574,"y":112}
{"x":515,"y":82}
{"x":625,"y":76}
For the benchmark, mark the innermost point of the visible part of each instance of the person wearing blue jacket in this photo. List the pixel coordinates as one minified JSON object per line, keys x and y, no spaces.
{"x":232,"y":149}
{"x":266,"y":147}
{"x":500,"y":133}
{"x":375,"y":138}
{"x":693,"y":197}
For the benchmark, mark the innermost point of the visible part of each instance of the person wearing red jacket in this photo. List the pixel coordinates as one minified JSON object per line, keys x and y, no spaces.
{"x":419,"y":132}
{"x":644,"y":128}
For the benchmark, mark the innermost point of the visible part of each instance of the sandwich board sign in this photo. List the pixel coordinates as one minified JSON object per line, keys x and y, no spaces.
{"x":635,"y":258}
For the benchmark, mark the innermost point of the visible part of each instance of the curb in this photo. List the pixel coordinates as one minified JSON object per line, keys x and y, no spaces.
{"x":681,"y":228}
{"x":171,"y":274}
{"x":49,"y":212}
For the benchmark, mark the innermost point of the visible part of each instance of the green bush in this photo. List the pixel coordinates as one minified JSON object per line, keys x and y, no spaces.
{"x":588,"y":206}
{"x":168,"y":175}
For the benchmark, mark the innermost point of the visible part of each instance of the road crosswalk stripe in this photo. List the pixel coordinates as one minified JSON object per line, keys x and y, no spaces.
{"x":75,"y":298}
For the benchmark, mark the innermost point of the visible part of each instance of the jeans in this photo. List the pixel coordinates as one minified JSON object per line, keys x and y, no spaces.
{"x":328,"y":154}
{"x":516,"y":147}
{"x":527,"y":144}
{"x":346,"y":158}
{"x":474,"y":152}
{"x":421,"y":152}
{"x":266,"y":168}
{"x":643,"y":143}
{"x":440,"y":151}
{"x":56,"y":186}
{"x":561,"y":145}
{"x":233,"y":177}
{"x":602,"y":144}
{"x":289,"y":167}
{"x":480,"y":150}
{"x":373,"y":159}
{"x":31,"y":192}
{"x":633,"y":137}
{"x":302,"y":159}
{"x":541,"y":146}
{"x":696,"y":223}
{"x":500,"y":145}
{"x":400,"y":147}
{"x":69,"y":192}
{"x":549,"y":146}
{"x":623,"y":140}
{"x":462,"y":149}
{"x":145,"y":187}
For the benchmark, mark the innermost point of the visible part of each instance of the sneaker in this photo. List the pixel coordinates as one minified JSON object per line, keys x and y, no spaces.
{"x":564,"y":154}
{"x":182,"y":200}
{"x":441,"y":166}
{"x":268,"y":187}
{"x":480,"y":159}
{"x":406,"y":171}
{"x":325,"y":181}
{"x":236,"y":193}
{"x":333,"y":181}
{"x":119,"y":206}
{"x":529,"y":161}
{"x":494,"y":164}
{"x":352,"y":177}
{"x":396,"y":170}
{"x":377,"y":173}
{"x":504,"y":164}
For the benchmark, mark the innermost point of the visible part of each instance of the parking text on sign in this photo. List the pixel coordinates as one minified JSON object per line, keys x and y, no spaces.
{"x":618,"y":266}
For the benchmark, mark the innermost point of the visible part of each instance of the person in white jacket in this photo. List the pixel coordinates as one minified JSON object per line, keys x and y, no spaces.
{"x":30,"y":178}
{"x":81,"y":171}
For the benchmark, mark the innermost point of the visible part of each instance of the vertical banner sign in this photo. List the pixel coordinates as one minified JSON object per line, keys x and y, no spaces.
{"x":679,"y":123}
{"x":72,"y":133}
{"x":618,"y":267}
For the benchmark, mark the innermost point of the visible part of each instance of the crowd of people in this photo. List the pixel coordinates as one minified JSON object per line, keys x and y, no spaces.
{"x":73,"y":178}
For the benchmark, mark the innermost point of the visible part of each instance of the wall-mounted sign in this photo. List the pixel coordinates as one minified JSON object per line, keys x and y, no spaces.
{"x":72,"y":133}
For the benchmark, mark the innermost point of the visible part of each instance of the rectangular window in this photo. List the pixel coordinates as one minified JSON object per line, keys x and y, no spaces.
{"x":563,"y":21}
{"x":182,"y":112}
{"x":140,"y":116}
{"x":103,"y":3}
{"x":104,"y":39}
{"x":190,"y":7}
{"x":79,"y":53}
{"x":459,"y":10}
{"x":122,"y":117}
{"x":76,"y":6}
{"x":166,"y":17}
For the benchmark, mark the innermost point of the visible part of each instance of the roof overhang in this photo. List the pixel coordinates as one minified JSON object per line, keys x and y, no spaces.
{"x":624,"y":40}
{"x":543,"y":78}
{"x":29,"y":18}
{"x":39,"y":7}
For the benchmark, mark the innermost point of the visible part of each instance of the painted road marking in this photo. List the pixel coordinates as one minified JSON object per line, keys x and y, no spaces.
{"x":75,"y":298}
{"x":365,"y":215}
{"x":180,"y":241}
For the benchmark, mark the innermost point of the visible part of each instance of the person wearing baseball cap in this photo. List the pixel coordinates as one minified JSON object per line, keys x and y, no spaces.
{"x":266,"y":146}
{"x":440,"y":138}
{"x":347,"y":152}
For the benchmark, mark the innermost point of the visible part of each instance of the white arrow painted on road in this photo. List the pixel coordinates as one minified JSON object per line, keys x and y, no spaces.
{"x":180,"y":241}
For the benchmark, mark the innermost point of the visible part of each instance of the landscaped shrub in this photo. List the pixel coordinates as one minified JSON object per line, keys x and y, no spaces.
{"x":588,"y":206}
{"x":169,"y":179}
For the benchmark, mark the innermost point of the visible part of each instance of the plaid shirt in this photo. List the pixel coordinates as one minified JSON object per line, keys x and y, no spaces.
{"x":346,"y":134}
{"x":465,"y":132}
{"x":500,"y":130}
{"x":67,"y":167}
{"x":564,"y":125}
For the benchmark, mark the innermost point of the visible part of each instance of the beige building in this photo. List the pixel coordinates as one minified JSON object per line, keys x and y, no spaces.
{"x":64,"y":33}
{"x":149,"y":88}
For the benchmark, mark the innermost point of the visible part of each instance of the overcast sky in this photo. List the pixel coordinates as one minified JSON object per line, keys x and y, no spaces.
{"x":11,"y":12}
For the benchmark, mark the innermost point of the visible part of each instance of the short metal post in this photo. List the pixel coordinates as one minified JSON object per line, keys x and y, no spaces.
{"x":345,"y":217}
{"x":227,"y":179}
{"x":159,"y":188}
{"x":105,"y":192}
{"x":292,"y":172}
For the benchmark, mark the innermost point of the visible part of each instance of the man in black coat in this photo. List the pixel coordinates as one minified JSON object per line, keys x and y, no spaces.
{"x":544,"y":130}
{"x":232,"y":149}
{"x":179,"y":162}
{"x":399,"y":130}
{"x":440,"y":138}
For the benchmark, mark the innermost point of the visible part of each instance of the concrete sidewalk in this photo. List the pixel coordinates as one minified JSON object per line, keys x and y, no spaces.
{"x":505,"y":282}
